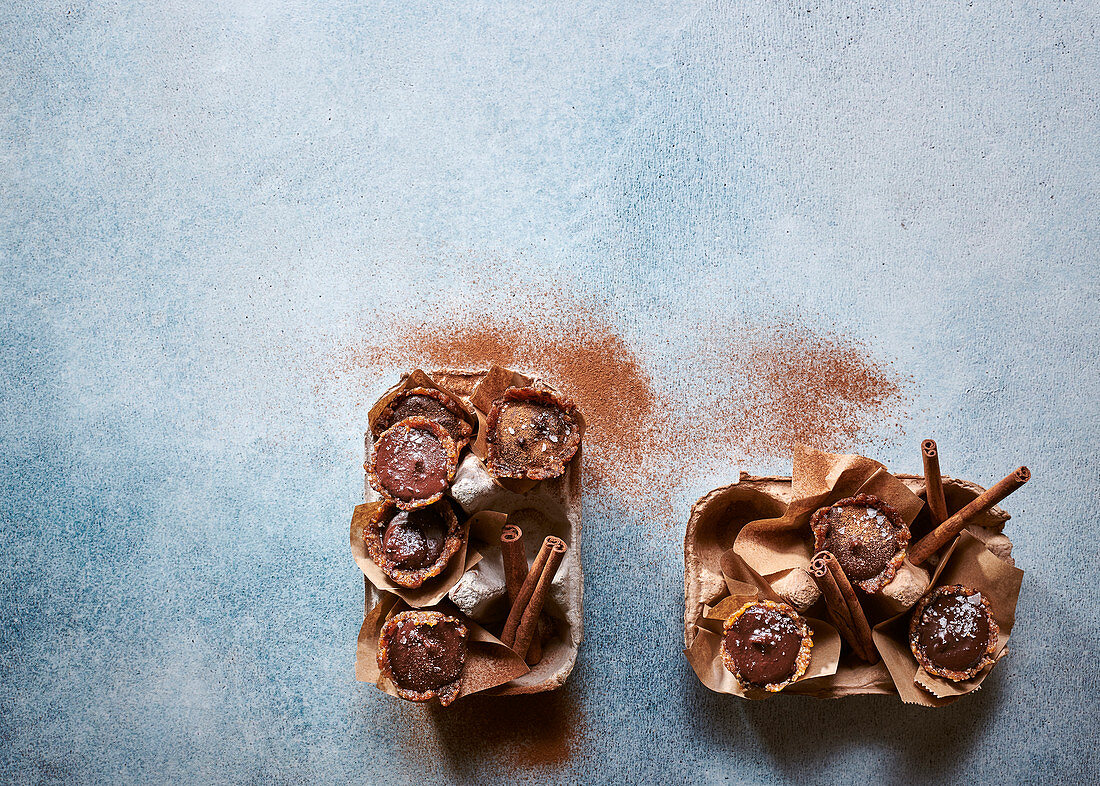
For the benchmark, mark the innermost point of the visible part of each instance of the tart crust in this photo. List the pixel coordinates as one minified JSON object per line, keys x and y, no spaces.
{"x":506,"y":451}
{"x":460,"y":434}
{"x":900,"y":538}
{"x":802,"y":660}
{"x":399,"y":430}
{"x":914,"y":634}
{"x":445,"y":693}
{"x":404,"y":577}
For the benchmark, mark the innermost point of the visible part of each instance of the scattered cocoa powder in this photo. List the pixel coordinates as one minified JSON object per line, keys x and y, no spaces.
{"x":574,"y":350}
{"x":542,"y":729}
{"x":751,"y":392}
{"x":739,"y":393}
{"x":793,"y":384}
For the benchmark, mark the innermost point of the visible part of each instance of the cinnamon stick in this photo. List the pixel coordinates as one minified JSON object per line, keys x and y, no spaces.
{"x":515,"y":560}
{"x":933,"y":482}
{"x":534,"y":652}
{"x":529,"y":621}
{"x":945,"y":532}
{"x":526,"y":590}
{"x":843,"y":605}
{"x":834,"y":599}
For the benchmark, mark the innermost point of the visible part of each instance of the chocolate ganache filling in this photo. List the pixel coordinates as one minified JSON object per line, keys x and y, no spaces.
{"x":861,"y":538}
{"x":953,"y":632}
{"x":425,"y":657}
{"x":764,"y":644}
{"x":423,"y":405}
{"x":412,"y":463}
{"x":414,"y":539}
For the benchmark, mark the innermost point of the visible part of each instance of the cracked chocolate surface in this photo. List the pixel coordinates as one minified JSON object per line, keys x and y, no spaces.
{"x":413,"y":546}
{"x":413,"y":462}
{"x":424,"y":654}
{"x":766,"y":645}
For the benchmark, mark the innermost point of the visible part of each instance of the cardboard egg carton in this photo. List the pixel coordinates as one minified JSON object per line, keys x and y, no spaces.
{"x":549,"y":507}
{"x":718,"y":517}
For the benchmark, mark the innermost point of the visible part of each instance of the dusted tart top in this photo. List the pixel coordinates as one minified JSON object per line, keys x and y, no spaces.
{"x":953,"y":634}
{"x":413,"y":462}
{"x":423,"y":653}
{"x":412,"y":546}
{"x":867,"y":537}
{"x":428,"y":403}
{"x":531,"y":434}
{"x":766,"y":645}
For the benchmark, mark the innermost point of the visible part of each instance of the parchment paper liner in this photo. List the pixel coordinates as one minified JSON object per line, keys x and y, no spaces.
{"x":431,"y":591}
{"x":488,"y":662}
{"x":708,"y":530}
{"x":967,"y":561}
{"x":418,"y":379}
{"x":489,"y":389}
{"x":705,"y":653}
{"x":771,"y":546}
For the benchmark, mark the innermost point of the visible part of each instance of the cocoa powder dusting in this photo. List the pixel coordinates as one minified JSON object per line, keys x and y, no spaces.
{"x":736,"y":394}
{"x":792,"y":384}
{"x":752,"y":391}
{"x":574,"y":350}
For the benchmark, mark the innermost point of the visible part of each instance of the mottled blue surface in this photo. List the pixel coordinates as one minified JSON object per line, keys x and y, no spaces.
{"x":196,"y":196}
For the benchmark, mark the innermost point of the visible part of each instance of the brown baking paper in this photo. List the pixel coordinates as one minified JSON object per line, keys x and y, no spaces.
{"x":486,"y":526}
{"x":712,"y":573}
{"x":705,"y":653}
{"x":431,"y":591}
{"x":418,"y":379}
{"x":970,"y":563}
{"x":461,"y":382}
{"x":492,"y":387}
{"x":771,"y":546}
{"x":488,"y":662}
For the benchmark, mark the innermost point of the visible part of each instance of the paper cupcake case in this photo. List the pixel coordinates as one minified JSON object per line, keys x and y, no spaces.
{"x":472,"y":585}
{"x":750,"y":540}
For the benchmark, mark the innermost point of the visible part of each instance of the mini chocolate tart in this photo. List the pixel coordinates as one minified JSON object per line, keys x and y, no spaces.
{"x":413,"y":463}
{"x":423,"y":654}
{"x":867,"y":537}
{"x":426,"y":403}
{"x":767,"y":645}
{"x":953,"y":634}
{"x":412,"y":546}
{"x":531,"y":434}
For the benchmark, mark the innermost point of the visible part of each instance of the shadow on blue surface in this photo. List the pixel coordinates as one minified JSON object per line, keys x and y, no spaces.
{"x":540,"y":729}
{"x":801,"y":733}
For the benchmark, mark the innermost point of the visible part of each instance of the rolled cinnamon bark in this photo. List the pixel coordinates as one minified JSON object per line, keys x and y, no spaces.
{"x":529,"y":621}
{"x":945,"y":532}
{"x":933,"y":482}
{"x":843,"y":605}
{"x":834,"y":602}
{"x":515,"y":560}
{"x":525,"y":593}
{"x":534,"y":652}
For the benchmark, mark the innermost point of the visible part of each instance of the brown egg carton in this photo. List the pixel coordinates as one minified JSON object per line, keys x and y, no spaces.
{"x":718,"y":517}
{"x":550,"y":507}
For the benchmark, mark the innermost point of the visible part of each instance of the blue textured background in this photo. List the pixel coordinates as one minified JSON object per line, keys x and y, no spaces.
{"x":197,"y":195}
